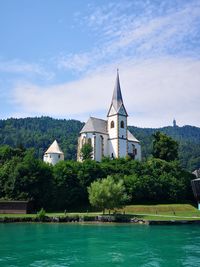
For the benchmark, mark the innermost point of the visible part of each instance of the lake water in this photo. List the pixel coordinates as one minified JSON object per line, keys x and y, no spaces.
{"x":54,"y":245}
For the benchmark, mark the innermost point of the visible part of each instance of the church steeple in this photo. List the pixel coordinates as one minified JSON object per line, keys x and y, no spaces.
{"x":117,"y":105}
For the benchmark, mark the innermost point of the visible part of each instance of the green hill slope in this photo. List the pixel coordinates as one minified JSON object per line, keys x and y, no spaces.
{"x":187,"y":136}
{"x":41,"y":132}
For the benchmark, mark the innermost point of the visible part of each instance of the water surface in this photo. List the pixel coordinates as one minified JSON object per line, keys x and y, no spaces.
{"x":104,"y":245}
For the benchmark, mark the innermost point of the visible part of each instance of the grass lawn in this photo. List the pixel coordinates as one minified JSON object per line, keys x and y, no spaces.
{"x":146,"y":212}
{"x":164,"y":211}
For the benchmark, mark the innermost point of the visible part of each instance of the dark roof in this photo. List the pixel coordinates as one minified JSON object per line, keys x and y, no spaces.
{"x":95,"y":125}
{"x":117,"y":100}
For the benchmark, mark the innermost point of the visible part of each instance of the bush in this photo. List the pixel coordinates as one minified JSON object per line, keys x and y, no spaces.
{"x":41,"y":215}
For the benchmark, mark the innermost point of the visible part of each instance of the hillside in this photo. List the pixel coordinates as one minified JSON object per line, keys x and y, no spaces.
{"x":41,"y":132}
{"x":187,"y":136}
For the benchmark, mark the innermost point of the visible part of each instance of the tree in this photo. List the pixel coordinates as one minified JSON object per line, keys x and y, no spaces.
{"x":107,"y":194}
{"x":86,"y":151}
{"x":24,"y":177}
{"x":67,"y":190}
{"x":164,"y":147}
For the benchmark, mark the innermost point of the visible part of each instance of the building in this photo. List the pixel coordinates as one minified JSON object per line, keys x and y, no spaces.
{"x":174,"y":123}
{"x":111,"y":137}
{"x":53,"y":154}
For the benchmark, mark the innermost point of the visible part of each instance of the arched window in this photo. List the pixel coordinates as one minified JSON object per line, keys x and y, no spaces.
{"x":89,"y":141}
{"x":102,"y":145}
{"x":122,"y":124}
{"x":134,"y":150}
{"x":112,"y":124}
{"x":83,"y":141}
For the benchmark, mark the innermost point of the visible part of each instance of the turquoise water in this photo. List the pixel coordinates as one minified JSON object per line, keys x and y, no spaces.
{"x":105,"y":245}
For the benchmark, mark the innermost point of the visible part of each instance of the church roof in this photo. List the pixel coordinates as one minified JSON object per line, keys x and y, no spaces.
{"x":54,"y":148}
{"x":131,"y":137}
{"x":117,"y":100}
{"x":95,"y":125}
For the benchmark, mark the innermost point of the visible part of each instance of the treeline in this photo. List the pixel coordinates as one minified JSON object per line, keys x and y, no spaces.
{"x":39,"y":133}
{"x":188,"y":138}
{"x":65,"y":185}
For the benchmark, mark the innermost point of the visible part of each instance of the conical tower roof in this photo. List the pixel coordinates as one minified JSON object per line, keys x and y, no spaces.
{"x":54,"y":148}
{"x":117,"y":105}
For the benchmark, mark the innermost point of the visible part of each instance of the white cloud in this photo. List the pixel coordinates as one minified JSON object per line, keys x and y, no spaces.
{"x":19,"y":67}
{"x":155,"y":91}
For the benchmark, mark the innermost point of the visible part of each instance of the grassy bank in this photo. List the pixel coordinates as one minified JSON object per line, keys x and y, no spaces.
{"x":145,"y":212}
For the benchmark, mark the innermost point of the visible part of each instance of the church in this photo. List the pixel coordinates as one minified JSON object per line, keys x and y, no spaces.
{"x":111,"y":137}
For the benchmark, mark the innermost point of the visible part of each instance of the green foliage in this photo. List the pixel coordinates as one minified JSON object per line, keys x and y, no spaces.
{"x":65,"y":185}
{"x":107,"y":194}
{"x":67,"y":189}
{"x":164,"y":147}
{"x":86,"y":151}
{"x":39,"y":133}
{"x":41,"y":215}
{"x":159,"y":181}
{"x":187,"y":136}
{"x":23,"y":177}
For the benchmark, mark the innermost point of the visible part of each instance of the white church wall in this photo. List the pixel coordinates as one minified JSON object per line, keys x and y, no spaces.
{"x":122,"y":148}
{"x":53,"y":158}
{"x":113,"y":148}
{"x":113,"y":131}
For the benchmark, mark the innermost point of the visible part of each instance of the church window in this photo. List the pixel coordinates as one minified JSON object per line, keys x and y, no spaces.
{"x":89,"y":141}
{"x":122,"y":124}
{"x":134,"y":150}
{"x":83,"y":141}
{"x":102,"y":145}
{"x":112,"y":156}
{"x":59,"y":156}
{"x":112,"y":124}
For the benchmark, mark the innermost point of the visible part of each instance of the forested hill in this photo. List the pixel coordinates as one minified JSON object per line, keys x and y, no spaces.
{"x":41,"y":132}
{"x":187,"y":136}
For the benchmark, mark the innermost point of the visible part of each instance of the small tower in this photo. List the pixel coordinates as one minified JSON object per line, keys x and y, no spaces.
{"x":117,"y":124}
{"x":53,"y":154}
{"x":174,"y":123}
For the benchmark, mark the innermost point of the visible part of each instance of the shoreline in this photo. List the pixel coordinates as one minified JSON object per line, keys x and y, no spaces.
{"x":96,"y":220}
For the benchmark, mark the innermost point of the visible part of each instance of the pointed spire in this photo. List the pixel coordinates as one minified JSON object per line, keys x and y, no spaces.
{"x":117,"y":100}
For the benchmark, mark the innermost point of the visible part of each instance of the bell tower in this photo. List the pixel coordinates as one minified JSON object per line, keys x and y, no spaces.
{"x":117,"y":124}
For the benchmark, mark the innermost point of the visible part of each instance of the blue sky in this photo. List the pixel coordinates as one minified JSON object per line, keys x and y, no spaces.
{"x":59,"y":59}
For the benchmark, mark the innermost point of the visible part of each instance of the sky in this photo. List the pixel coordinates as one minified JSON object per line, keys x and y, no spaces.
{"x":60,"y":59}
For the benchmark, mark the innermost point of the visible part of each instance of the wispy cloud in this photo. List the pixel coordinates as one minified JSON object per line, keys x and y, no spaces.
{"x":153,"y":32}
{"x":18,"y":67}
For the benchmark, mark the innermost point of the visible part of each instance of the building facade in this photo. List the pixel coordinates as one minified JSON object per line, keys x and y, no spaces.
{"x":111,"y":137}
{"x":53,"y":154}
